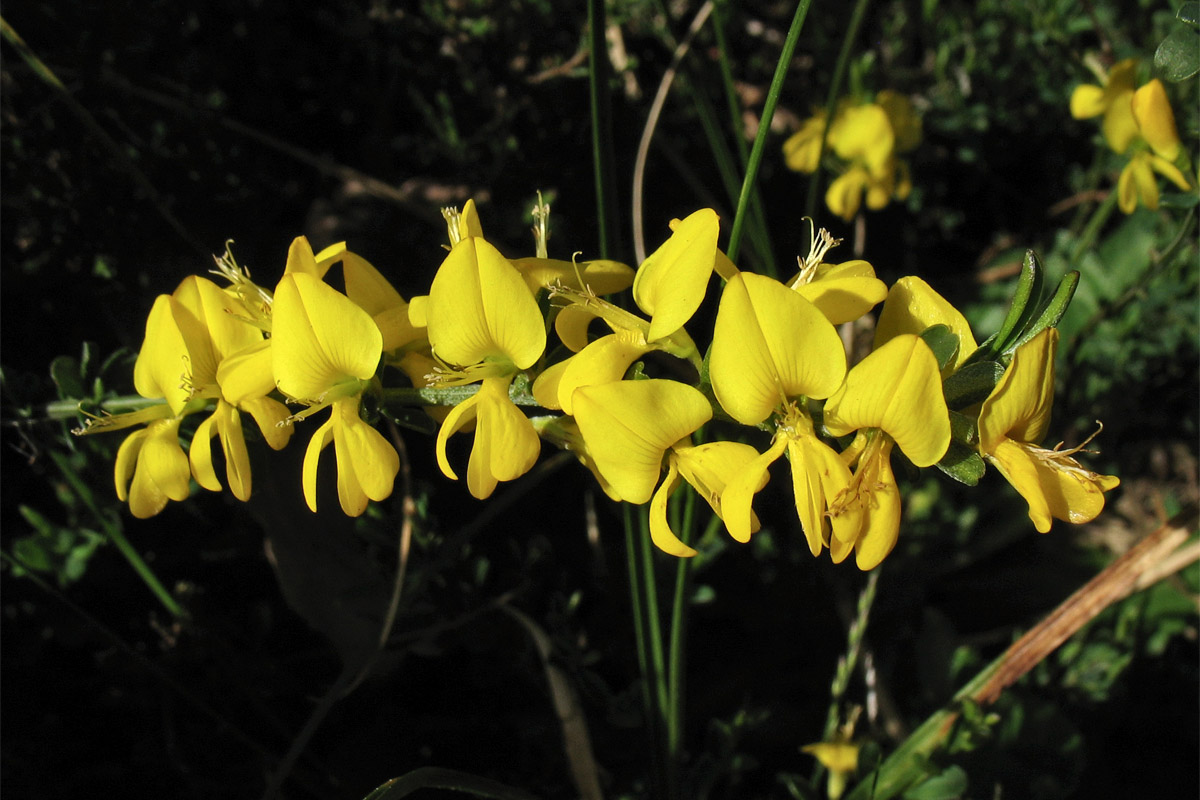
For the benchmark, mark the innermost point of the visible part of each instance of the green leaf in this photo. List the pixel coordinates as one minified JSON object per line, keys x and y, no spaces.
{"x":962,"y":464}
{"x":948,"y":785}
{"x":1189,"y":14}
{"x":1178,"y":56}
{"x":68,"y":377}
{"x":972,"y":384}
{"x":942,"y":342}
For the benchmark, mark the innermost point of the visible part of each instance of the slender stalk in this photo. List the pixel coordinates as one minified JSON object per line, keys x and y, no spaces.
{"x":603,"y":159}
{"x":117,"y":537}
{"x":637,"y":593}
{"x":764,"y":127}
{"x":758,"y":218}
{"x":835,"y":88}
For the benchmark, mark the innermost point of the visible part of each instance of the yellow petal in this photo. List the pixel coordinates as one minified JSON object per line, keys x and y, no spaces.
{"x":844,"y":292}
{"x":912,"y":306}
{"x":738,"y":497}
{"x":367,"y":287}
{"x":1019,"y":406}
{"x":906,"y":125}
{"x":461,"y":415}
{"x":710,"y":467}
{"x":896,"y":388}
{"x":803,"y":148}
{"x":270,"y":416}
{"x":880,"y":509}
{"x":200,"y":455}
{"x":367,"y":462}
{"x":1120,"y":128}
{"x":312,"y":457}
{"x":506,"y":445}
{"x":1155,"y":120}
{"x":224,"y":318}
{"x":237,"y":457}
{"x":247,"y":373}
{"x":844,"y":195}
{"x":863,"y":133}
{"x":671,"y":282}
{"x":300,"y":259}
{"x":1088,"y":101}
{"x":600,"y":277}
{"x":818,"y":476}
{"x":660,"y":529}
{"x":1054,"y":485}
{"x":603,"y":361}
{"x":162,"y":472}
{"x":175,"y":340}
{"x":468,"y":221}
{"x":480,"y":308}
{"x":1170,"y":171}
{"x":571,"y":324}
{"x":320,"y":338}
{"x":770,"y":344}
{"x":628,"y":426}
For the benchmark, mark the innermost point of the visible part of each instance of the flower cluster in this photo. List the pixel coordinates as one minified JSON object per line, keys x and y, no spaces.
{"x":1137,"y":123}
{"x":866,"y":139}
{"x":628,"y":393}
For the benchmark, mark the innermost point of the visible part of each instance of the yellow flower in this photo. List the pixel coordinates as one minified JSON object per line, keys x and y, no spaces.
{"x":1091,"y":101}
{"x":893,"y":396}
{"x":155,"y":461}
{"x":325,"y":349}
{"x":1013,"y":420}
{"x":840,"y":757}
{"x":630,"y":426}
{"x":1154,"y":131}
{"x":484,"y":325}
{"x":803,"y":148}
{"x":842,"y":292}
{"x":772,"y":348}
{"x":912,"y":306}
{"x":669,"y":286}
{"x":189,"y":334}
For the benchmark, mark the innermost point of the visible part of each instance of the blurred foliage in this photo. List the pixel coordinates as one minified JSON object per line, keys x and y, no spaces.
{"x":258,"y":121}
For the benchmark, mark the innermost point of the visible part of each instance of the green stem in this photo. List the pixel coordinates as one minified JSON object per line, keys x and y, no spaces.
{"x":835,"y":88}
{"x":1092,"y":230}
{"x":117,"y":537}
{"x":676,"y":647}
{"x":645,"y":645}
{"x":603,"y":159}
{"x":760,"y":234}
{"x":764,"y":127}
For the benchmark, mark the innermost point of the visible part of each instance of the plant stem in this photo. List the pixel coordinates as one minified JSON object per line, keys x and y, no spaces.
{"x":117,"y":537}
{"x":835,"y":88}
{"x":603,"y":159}
{"x":764,"y":127}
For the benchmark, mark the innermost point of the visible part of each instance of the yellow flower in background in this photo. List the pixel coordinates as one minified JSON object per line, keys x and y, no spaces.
{"x":1013,"y":420}
{"x":866,"y":139}
{"x":1155,"y":149}
{"x":892,"y":397}
{"x":1138,"y":123}
{"x":1113,"y":101}
{"x":325,"y":349}
{"x":803,"y":148}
